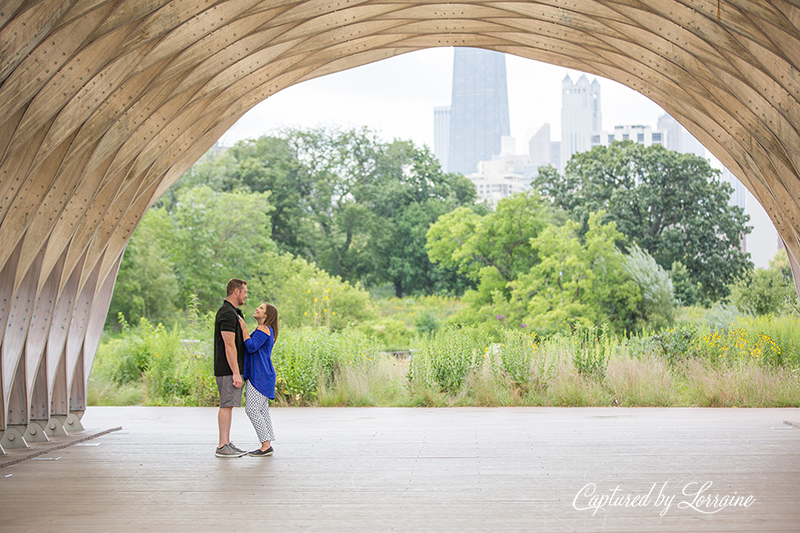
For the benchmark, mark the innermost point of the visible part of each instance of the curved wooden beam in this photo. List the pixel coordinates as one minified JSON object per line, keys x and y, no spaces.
{"x":105,"y":103}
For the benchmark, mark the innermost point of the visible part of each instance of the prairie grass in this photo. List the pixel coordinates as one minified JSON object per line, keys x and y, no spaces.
{"x":366,"y":385}
{"x":745,"y":385}
{"x":751,"y":363}
{"x":106,"y":393}
{"x":642,"y":382}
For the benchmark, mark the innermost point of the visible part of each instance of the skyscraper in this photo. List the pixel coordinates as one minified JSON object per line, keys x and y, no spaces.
{"x":478,"y":109}
{"x":678,"y":138}
{"x":539,"y":148}
{"x":580,"y":116}
{"x":441,"y":135}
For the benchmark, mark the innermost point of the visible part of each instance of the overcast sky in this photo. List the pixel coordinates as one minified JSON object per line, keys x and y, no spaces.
{"x":396,"y":97}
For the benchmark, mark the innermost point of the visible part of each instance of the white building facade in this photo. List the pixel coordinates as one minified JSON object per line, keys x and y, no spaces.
{"x":441,"y":135}
{"x":494,"y":181}
{"x":540,"y":150}
{"x":581,"y":116}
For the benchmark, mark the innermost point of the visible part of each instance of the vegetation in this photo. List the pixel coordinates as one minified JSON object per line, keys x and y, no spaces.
{"x":396,"y":287}
{"x":353,"y":204}
{"x":671,"y":205}
{"x":754,"y":362}
{"x":766,"y":291}
{"x":535,"y":270}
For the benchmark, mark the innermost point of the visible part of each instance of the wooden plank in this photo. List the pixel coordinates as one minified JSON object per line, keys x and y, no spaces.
{"x":382,"y":469}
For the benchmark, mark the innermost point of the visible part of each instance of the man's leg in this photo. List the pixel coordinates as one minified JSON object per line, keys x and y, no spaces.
{"x":224,"y":419}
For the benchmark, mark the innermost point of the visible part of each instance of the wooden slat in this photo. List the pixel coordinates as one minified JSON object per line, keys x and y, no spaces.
{"x":445,"y":470}
{"x":103,"y":103}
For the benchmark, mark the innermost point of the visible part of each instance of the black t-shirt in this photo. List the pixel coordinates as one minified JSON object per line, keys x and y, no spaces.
{"x":227,"y":319}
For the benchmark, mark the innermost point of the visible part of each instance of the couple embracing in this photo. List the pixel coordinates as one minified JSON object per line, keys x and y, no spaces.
{"x":244,"y":359}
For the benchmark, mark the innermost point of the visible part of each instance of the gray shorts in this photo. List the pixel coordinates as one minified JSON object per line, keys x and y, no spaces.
{"x":229,"y":396}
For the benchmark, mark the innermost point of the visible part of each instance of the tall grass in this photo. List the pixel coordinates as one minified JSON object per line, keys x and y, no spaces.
{"x":750,"y":363}
{"x":151,"y":365}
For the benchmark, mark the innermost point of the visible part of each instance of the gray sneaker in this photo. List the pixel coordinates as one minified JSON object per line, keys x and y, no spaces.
{"x":237,"y":449}
{"x":227,"y":451}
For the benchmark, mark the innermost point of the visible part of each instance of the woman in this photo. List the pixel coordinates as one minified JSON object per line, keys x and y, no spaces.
{"x":259,"y":374}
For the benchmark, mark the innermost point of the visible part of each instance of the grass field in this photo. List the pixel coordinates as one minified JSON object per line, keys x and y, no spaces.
{"x":753,"y":362}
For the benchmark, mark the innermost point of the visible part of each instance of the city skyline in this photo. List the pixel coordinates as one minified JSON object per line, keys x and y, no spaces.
{"x":396,"y":98}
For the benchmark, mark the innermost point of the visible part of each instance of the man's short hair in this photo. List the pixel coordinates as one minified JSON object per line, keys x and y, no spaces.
{"x":233,"y":285}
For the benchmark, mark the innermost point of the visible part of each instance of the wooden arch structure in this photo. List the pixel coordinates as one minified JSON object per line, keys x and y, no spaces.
{"x":105,"y":103}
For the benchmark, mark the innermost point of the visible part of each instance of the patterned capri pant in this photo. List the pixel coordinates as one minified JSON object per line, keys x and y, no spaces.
{"x":256,"y":405}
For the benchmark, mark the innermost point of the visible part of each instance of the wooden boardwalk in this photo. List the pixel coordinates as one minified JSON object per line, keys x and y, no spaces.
{"x":389,"y":469}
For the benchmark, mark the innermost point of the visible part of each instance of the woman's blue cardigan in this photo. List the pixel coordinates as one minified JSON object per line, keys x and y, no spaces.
{"x":258,"y":367}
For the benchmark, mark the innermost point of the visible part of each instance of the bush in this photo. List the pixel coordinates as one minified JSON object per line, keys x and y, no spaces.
{"x":784,"y":331}
{"x":766,"y":291}
{"x":657,"y":307}
{"x":591,"y":348}
{"x":307,"y":296}
{"x":306,"y":359}
{"x":447,"y":358}
{"x":674,"y":344}
{"x":149,"y":364}
{"x":736,"y":345}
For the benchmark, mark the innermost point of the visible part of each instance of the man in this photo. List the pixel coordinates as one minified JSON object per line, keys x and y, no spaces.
{"x":229,"y":363}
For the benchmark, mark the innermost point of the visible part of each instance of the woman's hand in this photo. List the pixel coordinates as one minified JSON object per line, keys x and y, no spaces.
{"x":242,"y":323}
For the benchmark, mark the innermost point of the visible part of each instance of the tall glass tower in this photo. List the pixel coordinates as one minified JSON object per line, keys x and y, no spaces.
{"x":478,"y":109}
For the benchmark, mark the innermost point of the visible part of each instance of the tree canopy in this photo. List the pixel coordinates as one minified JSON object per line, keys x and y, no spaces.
{"x":672,"y":205}
{"x":536,"y":270}
{"x":353,"y":204}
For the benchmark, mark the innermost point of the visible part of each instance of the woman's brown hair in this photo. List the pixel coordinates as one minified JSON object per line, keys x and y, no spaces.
{"x":271,"y":319}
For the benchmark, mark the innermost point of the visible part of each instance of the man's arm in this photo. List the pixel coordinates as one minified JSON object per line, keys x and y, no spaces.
{"x":229,"y":338}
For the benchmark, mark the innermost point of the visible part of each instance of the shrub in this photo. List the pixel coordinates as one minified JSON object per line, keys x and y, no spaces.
{"x":657,"y":305}
{"x":155,"y":366}
{"x":426,"y":323}
{"x":447,"y":358}
{"x":736,"y":345}
{"x":784,"y":331}
{"x":308,"y":296}
{"x":513,"y":357}
{"x":590,"y":348}
{"x":676,"y":344}
{"x":766,"y":291}
{"x":307,"y":359}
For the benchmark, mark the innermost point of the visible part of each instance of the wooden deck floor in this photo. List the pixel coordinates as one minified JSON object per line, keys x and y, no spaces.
{"x":386,"y":469}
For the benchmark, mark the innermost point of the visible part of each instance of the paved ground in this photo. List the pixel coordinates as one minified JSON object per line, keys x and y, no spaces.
{"x":384,"y":469}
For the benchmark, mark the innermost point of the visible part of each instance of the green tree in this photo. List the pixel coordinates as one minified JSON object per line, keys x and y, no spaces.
{"x":687,"y":292}
{"x":657,"y":306}
{"x":491,"y":249}
{"x":577,"y":283}
{"x":307,"y":295}
{"x":370,"y":196}
{"x":270,"y":164}
{"x":147,"y":286}
{"x":766,"y":290}
{"x":354,"y":205}
{"x":349,"y":202}
{"x":217,"y":236}
{"x":671,"y":205}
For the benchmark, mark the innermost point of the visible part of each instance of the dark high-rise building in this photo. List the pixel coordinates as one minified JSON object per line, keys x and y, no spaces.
{"x":478,"y":109}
